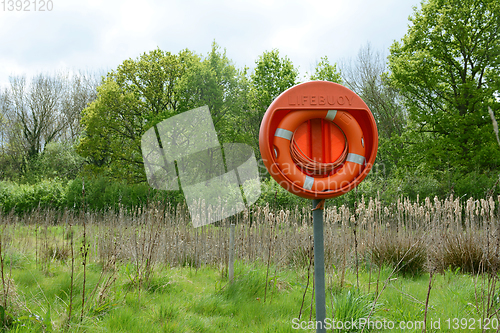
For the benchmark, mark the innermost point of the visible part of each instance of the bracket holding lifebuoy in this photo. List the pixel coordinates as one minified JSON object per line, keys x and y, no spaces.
{"x":318,"y":140}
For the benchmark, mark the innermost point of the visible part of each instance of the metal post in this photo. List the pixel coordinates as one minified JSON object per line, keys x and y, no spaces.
{"x":231,"y":254}
{"x":319,"y":268}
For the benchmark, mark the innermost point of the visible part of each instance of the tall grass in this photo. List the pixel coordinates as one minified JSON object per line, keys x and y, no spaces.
{"x":442,"y":234}
{"x":411,"y":238}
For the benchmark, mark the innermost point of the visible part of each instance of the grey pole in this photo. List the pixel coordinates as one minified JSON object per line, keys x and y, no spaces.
{"x":319,"y":267}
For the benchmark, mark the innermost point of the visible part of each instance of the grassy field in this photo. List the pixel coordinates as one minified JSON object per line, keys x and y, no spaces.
{"x":395,"y":266}
{"x":190,"y":300}
{"x":185,"y":299}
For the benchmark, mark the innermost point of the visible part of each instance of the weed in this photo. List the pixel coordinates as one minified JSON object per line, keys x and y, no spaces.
{"x":350,"y":305}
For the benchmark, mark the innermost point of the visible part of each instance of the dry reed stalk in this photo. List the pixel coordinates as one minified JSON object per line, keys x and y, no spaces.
{"x":4,"y":286}
{"x":36,"y":246}
{"x":84,"y":251}
{"x":72,"y":275}
{"x":307,"y":284}
{"x":110,"y":265}
{"x":84,"y":254}
{"x":271,"y":220}
{"x":427,"y":302}
{"x":345,"y":219}
{"x":355,"y":225}
{"x":370,"y":231}
{"x":312,"y":299}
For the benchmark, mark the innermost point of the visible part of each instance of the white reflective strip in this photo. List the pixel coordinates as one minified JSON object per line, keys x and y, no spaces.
{"x":331,"y":115}
{"x":355,"y":158}
{"x":283,"y":133}
{"x":308,"y":183}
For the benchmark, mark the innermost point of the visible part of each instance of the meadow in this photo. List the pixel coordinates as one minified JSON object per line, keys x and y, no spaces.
{"x":417,"y":264}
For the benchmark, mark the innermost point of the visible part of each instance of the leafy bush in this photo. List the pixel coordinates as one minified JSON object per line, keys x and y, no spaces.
{"x":475,"y":184}
{"x":60,"y":160}
{"x":57,"y":161}
{"x":278,"y":197}
{"x":100,"y":195}
{"x":22,"y":198}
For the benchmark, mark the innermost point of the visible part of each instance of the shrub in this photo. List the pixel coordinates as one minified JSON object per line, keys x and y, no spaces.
{"x":406,"y":254}
{"x":278,"y":197}
{"x":475,"y":184}
{"x":464,"y":251}
{"x":101,"y":194}
{"x":24,"y":197}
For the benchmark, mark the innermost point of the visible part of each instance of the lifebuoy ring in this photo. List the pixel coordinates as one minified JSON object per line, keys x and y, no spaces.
{"x":341,"y":178}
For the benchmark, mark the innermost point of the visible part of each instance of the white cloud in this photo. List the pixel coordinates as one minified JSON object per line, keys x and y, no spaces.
{"x":100,"y":35}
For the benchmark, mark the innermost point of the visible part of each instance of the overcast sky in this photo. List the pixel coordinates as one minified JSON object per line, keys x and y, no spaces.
{"x":95,"y":35}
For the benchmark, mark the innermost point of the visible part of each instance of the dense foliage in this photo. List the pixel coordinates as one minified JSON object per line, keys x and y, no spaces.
{"x":447,"y":68}
{"x":98,"y":194}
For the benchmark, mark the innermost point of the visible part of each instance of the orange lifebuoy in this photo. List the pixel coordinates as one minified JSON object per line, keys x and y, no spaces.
{"x":352,"y":165}
{"x":318,"y":141}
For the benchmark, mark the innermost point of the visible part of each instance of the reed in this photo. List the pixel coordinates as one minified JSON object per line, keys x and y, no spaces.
{"x":453,"y":233}
{"x":412,"y":238}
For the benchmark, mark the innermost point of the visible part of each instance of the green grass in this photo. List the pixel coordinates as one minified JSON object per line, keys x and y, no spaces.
{"x":190,"y":300}
{"x":173,"y":300}
{"x":186,"y":299}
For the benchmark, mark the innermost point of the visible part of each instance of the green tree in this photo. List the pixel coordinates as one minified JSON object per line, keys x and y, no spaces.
{"x":216,"y":82}
{"x":272,"y":76}
{"x":154,"y":87}
{"x":324,"y":71}
{"x":37,"y":112}
{"x":139,"y":94}
{"x":447,"y":67}
{"x":366,"y":76}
